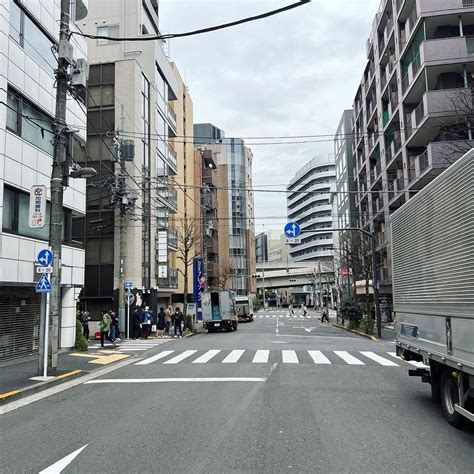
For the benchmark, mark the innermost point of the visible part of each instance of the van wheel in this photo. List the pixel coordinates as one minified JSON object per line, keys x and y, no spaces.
{"x":449,"y":398}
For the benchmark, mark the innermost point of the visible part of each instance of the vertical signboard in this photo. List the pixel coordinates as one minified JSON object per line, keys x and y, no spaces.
{"x":37,"y":211}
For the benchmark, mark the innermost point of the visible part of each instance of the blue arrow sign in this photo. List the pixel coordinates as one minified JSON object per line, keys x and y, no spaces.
{"x":44,"y":285}
{"x":129,"y":284}
{"x":292,"y":229}
{"x":45,"y":257}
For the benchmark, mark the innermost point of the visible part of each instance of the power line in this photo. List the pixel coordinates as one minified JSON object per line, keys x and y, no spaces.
{"x":196,"y":32}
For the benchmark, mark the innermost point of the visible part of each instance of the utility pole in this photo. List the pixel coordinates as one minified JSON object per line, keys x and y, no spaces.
{"x":123,"y":223}
{"x":59,"y":158}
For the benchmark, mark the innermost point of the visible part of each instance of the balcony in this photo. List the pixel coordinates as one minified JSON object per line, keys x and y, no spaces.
{"x":171,"y":117}
{"x":315,"y":187}
{"x":169,"y":195}
{"x":172,"y":158}
{"x":170,"y":281}
{"x":173,"y":239}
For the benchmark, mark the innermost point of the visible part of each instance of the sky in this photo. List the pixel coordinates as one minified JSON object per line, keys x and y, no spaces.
{"x":292,"y":74}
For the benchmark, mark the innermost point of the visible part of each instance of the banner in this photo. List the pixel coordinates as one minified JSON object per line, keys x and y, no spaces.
{"x":199,"y":281}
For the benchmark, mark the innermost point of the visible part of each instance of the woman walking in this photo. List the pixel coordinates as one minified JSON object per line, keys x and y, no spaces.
{"x":161,"y":323}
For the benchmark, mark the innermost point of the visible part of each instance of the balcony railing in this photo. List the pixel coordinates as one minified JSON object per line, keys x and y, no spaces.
{"x":170,"y":281}
{"x":171,"y":116}
{"x":172,"y":156}
{"x":423,"y":161}
{"x":173,"y":238}
{"x":416,"y":64}
{"x":411,"y":172}
{"x":400,"y":182}
{"x":391,"y":190}
{"x":470,"y":41}
{"x":419,"y":113}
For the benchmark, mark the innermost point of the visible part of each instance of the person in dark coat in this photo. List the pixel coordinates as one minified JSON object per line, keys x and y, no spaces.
{"x":135,"y":323}
{"x":178,"y":319}
{"x":161,"y":323}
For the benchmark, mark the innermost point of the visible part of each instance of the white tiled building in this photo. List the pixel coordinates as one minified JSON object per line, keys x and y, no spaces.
{"x":28,"y":30}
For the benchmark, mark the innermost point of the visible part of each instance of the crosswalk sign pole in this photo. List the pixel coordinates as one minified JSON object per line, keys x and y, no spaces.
{"x":46,"y":338}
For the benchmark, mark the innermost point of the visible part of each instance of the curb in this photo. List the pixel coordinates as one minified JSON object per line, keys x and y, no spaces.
{"x":32,"y":389}
{"x":356,"y":332}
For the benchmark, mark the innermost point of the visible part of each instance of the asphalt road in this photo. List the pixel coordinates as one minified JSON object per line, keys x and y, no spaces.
{"x":279,"y":395}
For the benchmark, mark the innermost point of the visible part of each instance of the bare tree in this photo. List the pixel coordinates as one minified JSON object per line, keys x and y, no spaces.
{"x":359,"y":257}
{"x":332,"y":269}
{"x":224,"y":273}
{"x":189,"y":238}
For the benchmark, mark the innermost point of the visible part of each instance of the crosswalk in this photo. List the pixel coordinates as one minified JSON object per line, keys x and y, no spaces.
{"x":285,"y":315}
{"x":133,"y":345}
{"x":263,"y":356}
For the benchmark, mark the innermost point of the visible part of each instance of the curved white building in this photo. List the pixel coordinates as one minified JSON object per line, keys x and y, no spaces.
{"x":312,"y":209}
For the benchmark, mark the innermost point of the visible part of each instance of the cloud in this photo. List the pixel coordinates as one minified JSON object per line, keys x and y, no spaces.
{"x":292,"y":74}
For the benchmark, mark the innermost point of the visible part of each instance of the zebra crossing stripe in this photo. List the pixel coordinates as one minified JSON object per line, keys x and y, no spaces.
{"x":261,"y":357}
{"x":289,"y":357}
{"x":350,"y":359}
{"x":233,"y":357}
{"x":380,"y":360}
{"x":415,"y":363}
{"x":318,"y":357}
{"x":160,"y":355}
{"x":180,"y":357}
{"x":207,"y":356}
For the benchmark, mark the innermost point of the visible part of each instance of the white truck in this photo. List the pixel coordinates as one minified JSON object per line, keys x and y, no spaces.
{"x":433,"y":287}
{"x":218,"y":311}
{"x":244,"y":307}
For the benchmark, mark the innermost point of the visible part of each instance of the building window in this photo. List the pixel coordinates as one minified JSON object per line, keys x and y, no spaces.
{"x":27,"y":121}
{"x":111,"y":31}
{"x":31,"y":37}
{"x":16,"y":215}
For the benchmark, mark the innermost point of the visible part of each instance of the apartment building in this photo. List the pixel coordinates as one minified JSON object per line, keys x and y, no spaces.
{"x":409,"y":119}
{"x":28,"y":32}
{"x":309,"y":204}
{"x":132,"y":87}
{"x":235,"y":205}
{"x":264,"y":243}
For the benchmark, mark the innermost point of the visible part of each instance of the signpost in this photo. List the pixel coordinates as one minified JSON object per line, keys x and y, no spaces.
{"x":37,"y":210}
{"x":44,"y":259}
{"x":292,"y":230}
{"x":129,"y":300}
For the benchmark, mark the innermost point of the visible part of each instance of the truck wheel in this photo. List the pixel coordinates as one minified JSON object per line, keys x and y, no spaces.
{"x":449,"y":398}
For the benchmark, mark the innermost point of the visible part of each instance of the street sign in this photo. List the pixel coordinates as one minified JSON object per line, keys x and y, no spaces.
{"x":292,"y":229}
{"x":37,"y":210}
{"x":293,"y":241}
{"x":45,"y":257}
{"x":344,"y":272}
{"x":44,"y":285}
{"x":44,"y":269}
{"x":129,"y":299}
{"x":129,"y":285}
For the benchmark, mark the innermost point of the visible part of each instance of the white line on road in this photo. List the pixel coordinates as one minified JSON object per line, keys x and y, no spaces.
{"x":346,"y":357}
{"x":289,"y":357}
{"x":380,"y":360}
{"x":415,"y":363}
{"x":187,"y":379}
{"x":207,"y":356}
{"x":261,"y":357}
{"x":59,"y":466}
{"x":233,"y":357}
{"x":318,"y":357}
{"x":180,"y":357}
{"x":154,"y":358}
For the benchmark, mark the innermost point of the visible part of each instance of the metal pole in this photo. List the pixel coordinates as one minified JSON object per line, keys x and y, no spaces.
{"x":263,"y":283}
{"x":56,"y":225}
{"x":375,"y":287}
{"x":123,"y":224}
{"x":128,"y":318}
{"x":46,"y":335}
{"x":320,"y":286}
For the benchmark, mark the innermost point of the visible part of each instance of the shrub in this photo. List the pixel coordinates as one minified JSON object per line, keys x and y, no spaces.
{"x":257,"y":304}
{"x":350,"y":309}
{"x":81,"y":341}
{"x":367,"y":324}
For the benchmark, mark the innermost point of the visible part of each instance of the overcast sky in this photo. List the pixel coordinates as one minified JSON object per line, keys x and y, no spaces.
{"x":291,"y":74}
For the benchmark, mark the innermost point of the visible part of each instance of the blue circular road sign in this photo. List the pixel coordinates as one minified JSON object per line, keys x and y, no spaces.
{"x":45,"y":257}
{"x":292,"y":229}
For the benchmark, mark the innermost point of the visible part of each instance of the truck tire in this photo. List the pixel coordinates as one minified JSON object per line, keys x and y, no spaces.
{"x":449,"y":397}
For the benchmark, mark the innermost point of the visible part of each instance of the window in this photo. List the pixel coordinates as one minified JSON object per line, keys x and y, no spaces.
{"x":28,"y":122}
{"x":31,"y":37}
{"x":111,"y":31}
{"x":15,"y":217}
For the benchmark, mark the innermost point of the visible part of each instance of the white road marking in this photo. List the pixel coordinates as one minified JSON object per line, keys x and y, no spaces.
{"x":415,"y":363}
{"x":233,"y":357}
{"x":59,"y":466}
{"x":206,"y":357}
{"x":289,"y":357}
{"x":187,"y":379}
{"x":350,"y":359}
{"x":154,"y":358}
{"x":318,"y":357}
{"x":180,"y":357}
{"x":261,"y":357}
{"x":379,"y":359}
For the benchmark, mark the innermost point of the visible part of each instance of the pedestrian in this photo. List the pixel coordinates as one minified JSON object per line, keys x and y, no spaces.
{"x":104,"y":326}
{"x":161,"y":323}
{"x":305,"y":310}
{"x":178,"y":319}
{"x":291,"y":310}
{"x":135,"y":323}
{"x":146,"y":322}
{"x":324,"y":314}
{"x":84,"y":318}
{"x":168,"y":312}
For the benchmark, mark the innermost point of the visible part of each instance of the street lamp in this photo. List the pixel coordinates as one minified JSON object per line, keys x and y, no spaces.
{"x":83,"y":173}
